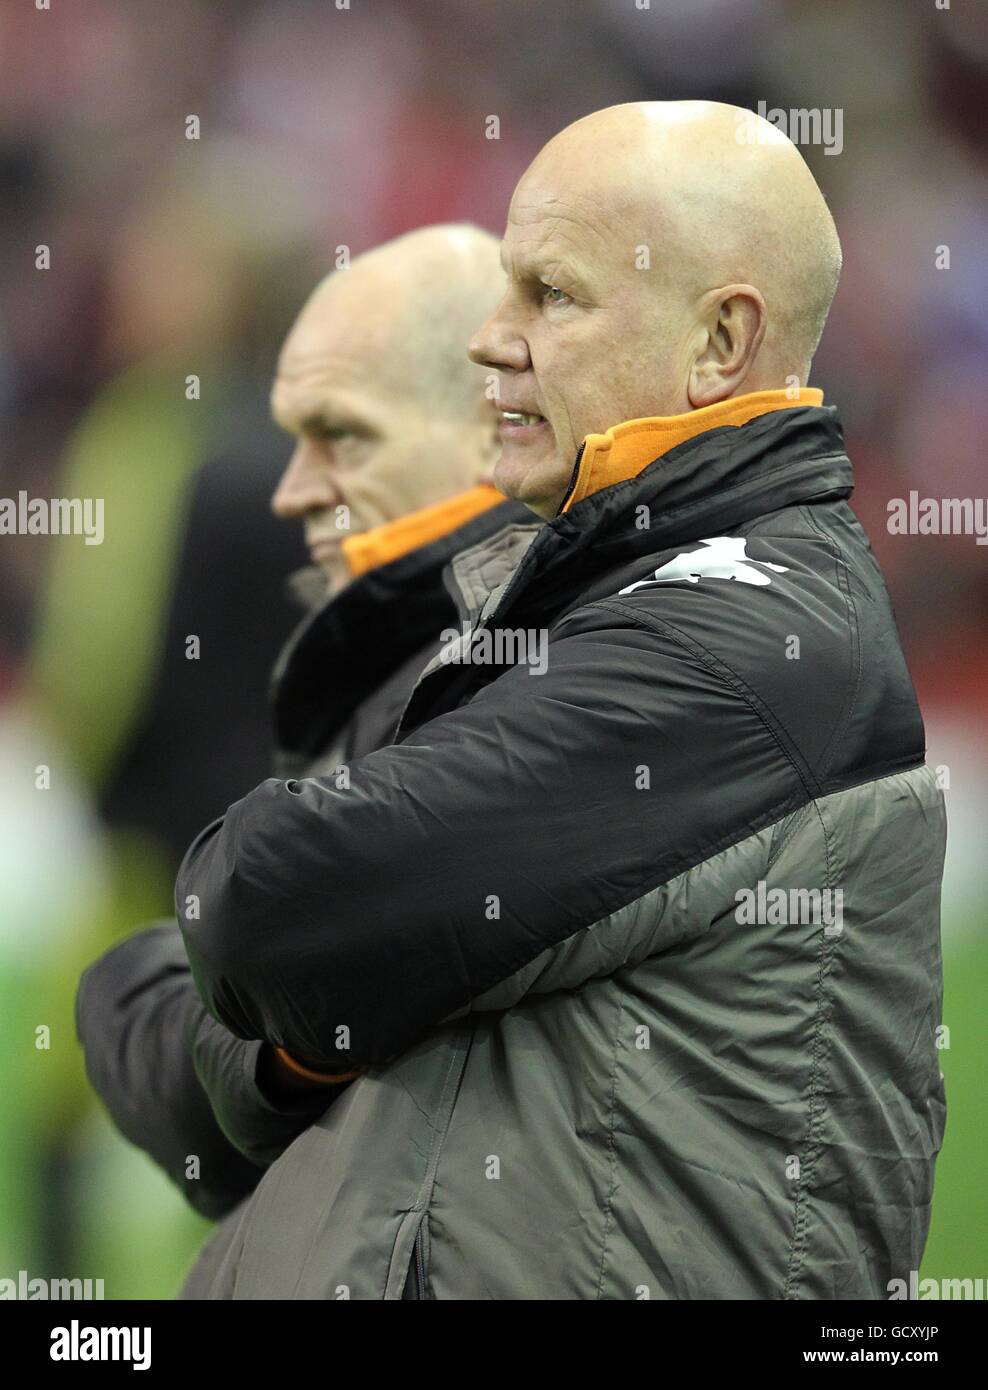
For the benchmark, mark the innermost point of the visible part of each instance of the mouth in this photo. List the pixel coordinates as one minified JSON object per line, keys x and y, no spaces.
{"x":521,"y":424}
{"x":320,"y":547}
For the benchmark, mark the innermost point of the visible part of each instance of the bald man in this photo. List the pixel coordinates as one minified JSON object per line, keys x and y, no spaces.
{"x":663,"y":258}
{"x":635,"y":945}
{"x":395,"y":439}
{"x":388,"y":413}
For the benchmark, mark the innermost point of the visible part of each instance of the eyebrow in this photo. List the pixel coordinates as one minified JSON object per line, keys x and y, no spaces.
{"x":533,"y":266}
{"x":314,"y":411}
{"x":359,"y":425}
{"x":320,"y":422}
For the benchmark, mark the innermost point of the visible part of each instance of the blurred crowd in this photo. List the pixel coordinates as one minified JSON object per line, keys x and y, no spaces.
{"x":316,"y":125}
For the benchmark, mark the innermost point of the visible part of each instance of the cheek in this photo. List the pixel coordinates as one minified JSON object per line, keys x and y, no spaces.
{"x":563,"y":374}
{"x":379,"y":466}
{"x":406,"y":474}
{"x":395,"y":465}
{"x":629,"y":385}
{"x":588,"y":390}
{"x":371,"y":483}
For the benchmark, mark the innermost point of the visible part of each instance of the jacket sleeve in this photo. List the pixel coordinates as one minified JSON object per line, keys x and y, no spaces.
{"x":175,"y":1082}
{"x":345,"y":923}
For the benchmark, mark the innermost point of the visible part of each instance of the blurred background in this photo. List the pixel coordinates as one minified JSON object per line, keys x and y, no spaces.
{"x":323,"y":127}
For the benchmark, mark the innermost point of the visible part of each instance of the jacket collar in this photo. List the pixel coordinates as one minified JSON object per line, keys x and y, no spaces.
{"x":379,"y":546}
{"x":623,"y":451}
{"x":390,"y":541}
{"x":708,"y":485}
{"x":345,"y":650}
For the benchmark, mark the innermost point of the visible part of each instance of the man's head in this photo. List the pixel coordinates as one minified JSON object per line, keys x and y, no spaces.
{"x":374,"y":383}
{"x":661,"y":257}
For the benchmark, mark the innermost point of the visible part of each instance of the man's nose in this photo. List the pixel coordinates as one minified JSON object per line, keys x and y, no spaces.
{"x":307,"y":484}
{"x":498,"y":343}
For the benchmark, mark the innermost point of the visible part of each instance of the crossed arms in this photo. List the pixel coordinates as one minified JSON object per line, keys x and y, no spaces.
{"x":502,"y":850}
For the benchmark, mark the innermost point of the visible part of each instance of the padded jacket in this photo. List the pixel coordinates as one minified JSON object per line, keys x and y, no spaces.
{"x":176,"y":1083}
{"x":635,"y":926}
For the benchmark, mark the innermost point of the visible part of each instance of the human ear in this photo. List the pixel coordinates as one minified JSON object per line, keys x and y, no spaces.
{"x":734,"y":321}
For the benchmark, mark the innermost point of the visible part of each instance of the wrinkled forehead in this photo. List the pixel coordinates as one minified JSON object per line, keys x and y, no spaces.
{"x":574,"y":218}
{"x":340,"y":358}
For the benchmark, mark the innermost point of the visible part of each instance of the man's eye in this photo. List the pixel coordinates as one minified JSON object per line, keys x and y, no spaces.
{"x":552,"y":294}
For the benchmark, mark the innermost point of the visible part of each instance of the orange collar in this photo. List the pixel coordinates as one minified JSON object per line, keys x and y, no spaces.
{"x":626,"y":449}
{"x":368,"y":549}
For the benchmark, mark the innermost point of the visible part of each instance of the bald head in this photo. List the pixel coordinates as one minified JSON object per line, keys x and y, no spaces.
{"x":662,"y":256}
{"x":717,"y":193}
{"x":374,"y":381}
{"x":409,"y":307}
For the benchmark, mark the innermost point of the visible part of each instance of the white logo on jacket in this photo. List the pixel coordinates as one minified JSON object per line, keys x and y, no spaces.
{"x":724,"y":558}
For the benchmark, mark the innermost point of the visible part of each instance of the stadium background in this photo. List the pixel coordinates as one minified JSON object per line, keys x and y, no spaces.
{"x":322,"y":127}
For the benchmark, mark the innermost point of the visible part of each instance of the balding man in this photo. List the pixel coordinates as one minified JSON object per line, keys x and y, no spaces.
{"x":640,"y":955}
{"x":395,"y":441}
{"x":389,"y":414}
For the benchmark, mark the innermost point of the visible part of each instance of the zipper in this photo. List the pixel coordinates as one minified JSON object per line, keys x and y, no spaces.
{"x":572,"y":479}
{"x":418,"y":1260}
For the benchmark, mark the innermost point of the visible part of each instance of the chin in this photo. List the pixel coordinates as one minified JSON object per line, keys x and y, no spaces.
{"x":337,"y":577}
{"x":537,"y":482}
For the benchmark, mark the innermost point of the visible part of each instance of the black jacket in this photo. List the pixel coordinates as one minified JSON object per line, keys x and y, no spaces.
{"x":649,"y":919}
{"x":176,"y":1082}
